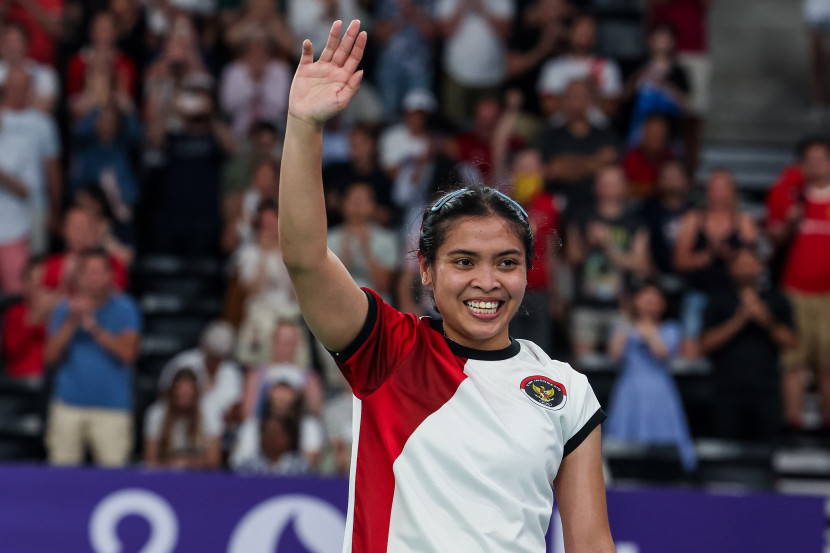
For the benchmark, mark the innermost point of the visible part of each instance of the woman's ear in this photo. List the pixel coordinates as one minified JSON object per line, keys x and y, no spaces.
{"x":425,"y":272}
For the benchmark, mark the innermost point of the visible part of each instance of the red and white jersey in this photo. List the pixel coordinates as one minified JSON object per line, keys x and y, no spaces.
{"x":455,"y":449}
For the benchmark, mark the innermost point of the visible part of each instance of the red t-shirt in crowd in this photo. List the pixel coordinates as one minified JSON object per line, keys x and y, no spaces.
{"x":543,"y":213}
{"x":53,"y":272}
{"x":642,"y":171}
{"x":472,"y":149}
{"x":22,"y":343}
{"x":783,"y":194}
{"x":123,"y":68}
{"x":808,"y":264}
{"x":41,"y":43}
{"x":687,"y":18}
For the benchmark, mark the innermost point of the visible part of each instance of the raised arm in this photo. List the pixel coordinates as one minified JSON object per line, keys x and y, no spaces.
{"x":333,"y":305}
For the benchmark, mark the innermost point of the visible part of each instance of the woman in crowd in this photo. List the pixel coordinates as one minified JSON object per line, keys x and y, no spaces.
{"x":705,"y":242}
{"x":645,"y":406}
{"x":178,"y":433}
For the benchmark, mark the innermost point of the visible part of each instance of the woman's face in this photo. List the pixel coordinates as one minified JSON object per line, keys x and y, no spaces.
{"x":269,"y":224}
{"x":285,"y":343}
{"x":184,"y":393}
{"x":478,"y":280}
{"x":720,"y":193}
{"x":281,"y":398}
{"x":649,"y":303}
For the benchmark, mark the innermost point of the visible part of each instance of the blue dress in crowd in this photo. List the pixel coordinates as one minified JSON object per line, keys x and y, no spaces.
{"x":645,"y":406}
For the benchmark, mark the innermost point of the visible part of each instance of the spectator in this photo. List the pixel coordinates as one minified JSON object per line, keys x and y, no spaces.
{"x":42,"y":21}
{"x":645,"y":405}
{"x":283,"y":397}
{"x":61,"y":270}
{"x":254,"y":87}
{"x":17,"y":186}
{"x":369,"y":252}
{"x":130,"y":21}
{"x":277,"y":449}
{"x":362,"y":166}
{"x":541,"y":301}
{"x":660,"y":86}
{"x":573,"y":152}
{"x":806,"y":280}
{"x":312,"y":19}
{"x":289,"y":354}
{"x":188,"y":215}
{"x":100,"y":65}
{"x":662,"y":215}
{"x":14,"y":49}
{"x":263,"y":143}
{"x":269,"y":294}
{"x":404,"y":31}
{"x":705,"y":241}
{"x":476,"y":34}
{"x":240,"y":210}
{"x":219,"y":378}
{"x":114,"y":236}
{"x":36,"y":134}
{"x":642,"y":163}
{"x":817,"y":17}
{"x":607,"y":245}
{"x":782,"y":211}
{"x":256,"y":16}
{"x":580,"y":63}
{"x":475,"y":148}
{"x":105,"y":140}
{"x":92,"y":342}
{"x":538,"y":33}
{"x":178,"y":431}
{"x":688,"y":19}
{"x":24,"y":326}
{"x":745,"y":331}
{"x":408,"y":140}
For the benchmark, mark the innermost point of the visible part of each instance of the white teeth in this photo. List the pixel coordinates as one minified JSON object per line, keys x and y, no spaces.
{"x":482,"y":307}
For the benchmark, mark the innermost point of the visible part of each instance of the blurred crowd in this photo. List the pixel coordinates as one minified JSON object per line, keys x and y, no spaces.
{"x":138,"y":127}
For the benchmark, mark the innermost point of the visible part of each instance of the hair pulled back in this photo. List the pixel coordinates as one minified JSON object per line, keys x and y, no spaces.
{"x":442,"y":214}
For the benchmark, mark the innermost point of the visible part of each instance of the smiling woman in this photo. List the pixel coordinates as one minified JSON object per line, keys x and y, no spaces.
{"x":459,"y":430}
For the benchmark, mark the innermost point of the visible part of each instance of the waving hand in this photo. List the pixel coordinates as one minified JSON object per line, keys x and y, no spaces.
{"x":324,"y":87}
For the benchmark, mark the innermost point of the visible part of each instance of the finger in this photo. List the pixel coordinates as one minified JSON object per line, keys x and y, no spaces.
{"x":357,"y":53}
{"x":342,"y":53}
{"x":353,"y":85}
{"x":334,"y":38}
{"x":308,"y":53}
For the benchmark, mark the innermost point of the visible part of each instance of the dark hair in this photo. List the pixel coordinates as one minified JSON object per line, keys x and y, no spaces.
{"x":655,"y":116}
{"x":663,"y":27}
{"x":809,"y":142}
{"x":95,"y":251}
{"x":263,"y":206}
{"x":262,"y":126}
{"x":440,"y":216}
{"x":96,"y":193}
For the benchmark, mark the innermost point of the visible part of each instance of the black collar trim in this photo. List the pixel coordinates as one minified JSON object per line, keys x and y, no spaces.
{"x":479,"y":354}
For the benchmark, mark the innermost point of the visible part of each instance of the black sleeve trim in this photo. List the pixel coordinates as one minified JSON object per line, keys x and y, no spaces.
{"x":363,"y":335}
{"x":580,"y":436}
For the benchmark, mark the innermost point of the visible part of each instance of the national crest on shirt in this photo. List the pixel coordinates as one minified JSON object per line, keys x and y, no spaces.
{"x":545,"y":392}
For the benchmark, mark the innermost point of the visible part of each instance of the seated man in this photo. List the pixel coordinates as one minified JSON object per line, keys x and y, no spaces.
{"x":93,"y":343}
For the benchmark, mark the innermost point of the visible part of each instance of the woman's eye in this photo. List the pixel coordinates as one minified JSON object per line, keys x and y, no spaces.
{"x":464,"y":262}
{"x":508,"y":263}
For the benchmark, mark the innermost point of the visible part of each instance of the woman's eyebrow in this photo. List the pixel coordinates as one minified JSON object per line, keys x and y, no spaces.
{"x":463,"y":252}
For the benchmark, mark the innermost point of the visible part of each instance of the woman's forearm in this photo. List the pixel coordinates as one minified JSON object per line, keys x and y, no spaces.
{"x":301,"y":199}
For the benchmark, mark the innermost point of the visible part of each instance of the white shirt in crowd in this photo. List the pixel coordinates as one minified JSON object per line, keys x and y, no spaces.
{"x":277,"y":292}
{"x":40,"y":133}
{"x":383,"y":245}
{"x":310,"y":19}
{"x":312,"y":439}
{"x":210,"y":426}
{"x":474,"y":55}
{"x":225,"y":391}
{"x":557,"y":73}
{"x":45,"y":82}
{"x":248,"y":101}
{"x":17,"y":159}
{"x":397,"y":145}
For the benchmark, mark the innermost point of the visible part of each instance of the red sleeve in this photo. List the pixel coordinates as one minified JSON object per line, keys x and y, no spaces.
{"x":120,"y":276}
{"x":17,"y":336}
{"x":125,"y":69}
{"x":75,"y":74}
{"x":52,"y":271}
{"x":386,"y":338}
{"x":783,"y":194}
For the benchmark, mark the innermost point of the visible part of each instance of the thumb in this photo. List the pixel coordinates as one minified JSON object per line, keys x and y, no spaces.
{"x":307,"y":55}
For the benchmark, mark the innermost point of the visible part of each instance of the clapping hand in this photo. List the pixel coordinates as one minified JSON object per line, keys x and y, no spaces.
{"x":324,"y":87}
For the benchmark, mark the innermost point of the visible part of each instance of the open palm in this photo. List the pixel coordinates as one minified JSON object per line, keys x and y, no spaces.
{"x":324,"y":87}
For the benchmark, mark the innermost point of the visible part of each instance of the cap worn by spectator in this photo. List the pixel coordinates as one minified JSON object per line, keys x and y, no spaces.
{"x":218,"y":338}
{"x":419,"y":100}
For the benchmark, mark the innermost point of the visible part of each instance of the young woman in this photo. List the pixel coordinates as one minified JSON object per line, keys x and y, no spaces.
{"x":459,"y":430}
{"x":645,"y":406}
